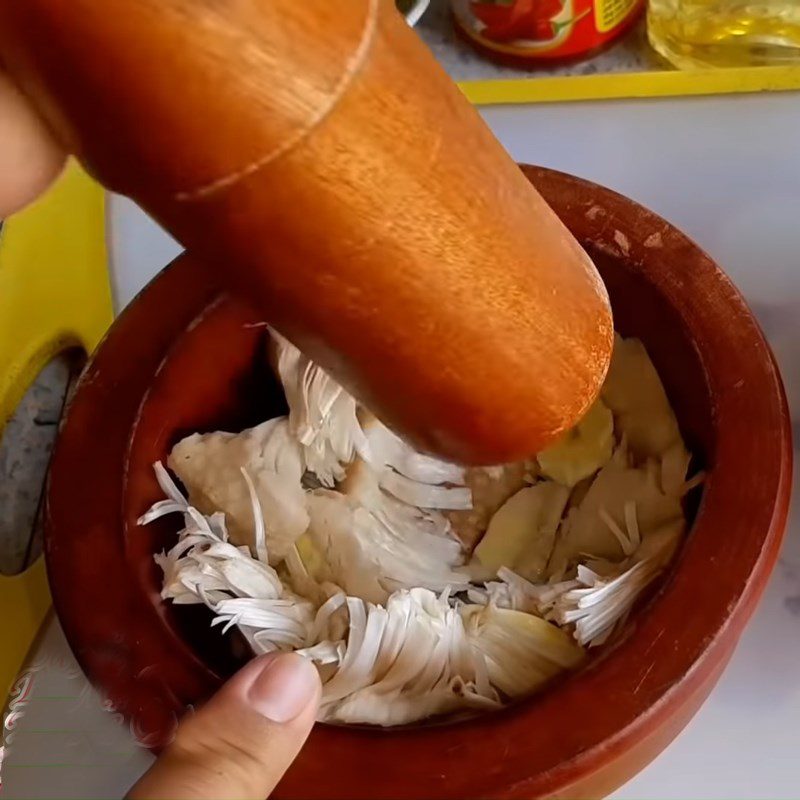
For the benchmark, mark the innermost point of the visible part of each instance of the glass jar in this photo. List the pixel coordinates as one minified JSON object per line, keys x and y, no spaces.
{"x":726,"y":33}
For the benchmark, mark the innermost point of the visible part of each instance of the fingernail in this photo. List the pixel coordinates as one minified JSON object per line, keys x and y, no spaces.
{"x":285,"y":688}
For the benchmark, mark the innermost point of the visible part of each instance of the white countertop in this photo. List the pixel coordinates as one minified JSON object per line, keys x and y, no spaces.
{"x":725,"y":170}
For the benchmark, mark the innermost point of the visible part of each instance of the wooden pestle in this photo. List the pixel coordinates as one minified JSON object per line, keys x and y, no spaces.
{"x":317,"y":154}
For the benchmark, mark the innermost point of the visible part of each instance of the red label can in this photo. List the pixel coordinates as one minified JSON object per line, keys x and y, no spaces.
{"x":544,"y":29}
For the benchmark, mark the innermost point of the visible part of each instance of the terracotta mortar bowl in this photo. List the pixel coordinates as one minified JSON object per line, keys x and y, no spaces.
{"x":185,"y":357}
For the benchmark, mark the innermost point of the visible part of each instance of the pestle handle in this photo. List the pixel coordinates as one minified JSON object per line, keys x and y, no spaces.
{"x":318,"y":156}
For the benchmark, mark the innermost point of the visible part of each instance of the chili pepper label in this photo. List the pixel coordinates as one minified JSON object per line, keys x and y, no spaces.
{"x":542,"y":28}
{"x":610,"y":13}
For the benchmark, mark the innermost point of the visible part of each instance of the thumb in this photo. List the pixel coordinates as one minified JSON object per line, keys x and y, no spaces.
{"x":239,"y":744}
{"x":30,"y":159}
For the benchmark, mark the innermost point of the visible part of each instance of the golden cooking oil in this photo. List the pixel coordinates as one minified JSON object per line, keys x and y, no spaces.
{"x":725,"y":33}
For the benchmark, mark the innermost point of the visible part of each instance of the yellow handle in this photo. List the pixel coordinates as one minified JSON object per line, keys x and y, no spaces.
{"x":54,"y":295}
{"x":623,"y":85}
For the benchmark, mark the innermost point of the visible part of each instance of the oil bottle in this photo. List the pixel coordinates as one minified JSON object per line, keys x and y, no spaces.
{"x":726,"y":33}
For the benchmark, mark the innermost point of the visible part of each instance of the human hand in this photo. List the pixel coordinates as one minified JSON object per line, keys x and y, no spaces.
{"x":238,"y":745}
{"x":30,"y":158}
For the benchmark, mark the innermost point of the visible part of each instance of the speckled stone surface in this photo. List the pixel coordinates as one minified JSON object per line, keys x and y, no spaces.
{"x":24,"y":454}
{"x":631,"y":54}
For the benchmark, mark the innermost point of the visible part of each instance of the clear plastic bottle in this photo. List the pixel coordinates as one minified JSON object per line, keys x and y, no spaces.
{"x":726,"y":33}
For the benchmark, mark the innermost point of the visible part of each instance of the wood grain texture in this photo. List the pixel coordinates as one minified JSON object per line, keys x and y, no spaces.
{"x":317,"y":155}
{"x":201,"y":366}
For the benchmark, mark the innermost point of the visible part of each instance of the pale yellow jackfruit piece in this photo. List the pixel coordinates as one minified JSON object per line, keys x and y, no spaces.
{"x":490,"y":487}
{"x":586,"y":532}
{"x":581,"y":451}
{"x":312,"y":558}
{"x":521,"y":534}
{"x":674,"y":469}
{"x":522,"y":651}
{"x":634,"y":393}
{"x":210,"y":467}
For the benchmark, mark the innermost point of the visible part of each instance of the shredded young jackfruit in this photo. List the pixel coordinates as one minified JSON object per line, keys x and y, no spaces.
{"x":324,"y":533}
